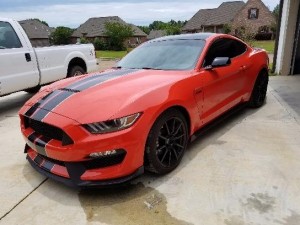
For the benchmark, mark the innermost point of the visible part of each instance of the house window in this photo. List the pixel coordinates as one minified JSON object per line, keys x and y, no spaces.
{"x":253,"y":13}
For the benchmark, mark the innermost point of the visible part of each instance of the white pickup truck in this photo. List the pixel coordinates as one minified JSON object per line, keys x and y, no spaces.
{"x":23,"y":67}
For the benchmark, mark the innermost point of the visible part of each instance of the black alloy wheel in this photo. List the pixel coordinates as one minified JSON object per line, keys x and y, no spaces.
{"x":166,"y":142}
{"x":259,"y":92}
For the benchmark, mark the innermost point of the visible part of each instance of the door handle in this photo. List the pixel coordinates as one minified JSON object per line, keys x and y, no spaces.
{"x":28,"y":57}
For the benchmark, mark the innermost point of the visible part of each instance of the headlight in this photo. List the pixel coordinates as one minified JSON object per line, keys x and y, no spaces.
{"x":112,"y":125}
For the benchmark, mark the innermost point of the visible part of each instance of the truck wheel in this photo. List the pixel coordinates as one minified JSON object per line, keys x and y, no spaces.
{"x":33,"y":90}
{"x":76,"y":71}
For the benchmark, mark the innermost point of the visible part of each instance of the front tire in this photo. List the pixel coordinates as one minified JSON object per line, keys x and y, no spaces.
{"x":166,"y":142}
{"x":259,"y":91}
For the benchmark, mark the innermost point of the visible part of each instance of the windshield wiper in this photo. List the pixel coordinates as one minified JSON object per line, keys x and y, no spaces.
{"x":149,"y":68}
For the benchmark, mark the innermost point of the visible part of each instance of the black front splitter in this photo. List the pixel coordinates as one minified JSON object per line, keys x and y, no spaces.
{"x":87,"y":184}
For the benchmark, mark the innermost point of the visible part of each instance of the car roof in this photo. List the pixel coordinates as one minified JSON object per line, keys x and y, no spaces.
{"x":195,"y":36}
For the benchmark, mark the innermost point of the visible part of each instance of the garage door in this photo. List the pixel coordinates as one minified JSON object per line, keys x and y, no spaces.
{"x":296,"y":55}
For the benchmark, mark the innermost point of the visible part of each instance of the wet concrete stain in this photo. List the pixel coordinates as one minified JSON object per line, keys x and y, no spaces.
{"x":263,"y":203}
{"x":132,"y":204}
{"x":234,"y":220}
{"x":218,"y":142}
{"x":293,"y":219}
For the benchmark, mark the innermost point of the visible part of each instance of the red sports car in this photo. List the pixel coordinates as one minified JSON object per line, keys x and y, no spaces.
{"x":106,"y":128}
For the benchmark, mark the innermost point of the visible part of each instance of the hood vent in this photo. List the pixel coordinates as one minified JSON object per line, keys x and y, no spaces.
{"x":69,"y":90}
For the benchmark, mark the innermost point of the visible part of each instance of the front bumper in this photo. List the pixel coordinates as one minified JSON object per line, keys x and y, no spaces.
{"x":47,"y":138}
{"x":70,"y":172}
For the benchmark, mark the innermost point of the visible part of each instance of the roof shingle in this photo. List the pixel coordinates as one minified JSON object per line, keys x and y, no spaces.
{"x":224,"y":14}
{"x":95,"y":27}
{"x":156,"y":34}
{"x":35,"y":29}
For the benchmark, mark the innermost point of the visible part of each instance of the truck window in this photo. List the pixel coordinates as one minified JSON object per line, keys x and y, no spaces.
{"x":8,"y":37}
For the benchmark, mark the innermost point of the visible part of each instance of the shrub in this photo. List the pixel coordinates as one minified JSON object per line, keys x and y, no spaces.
{"x":83,"y":41}
{"x":263,"y":36}
{"x":100,"y":44}
{"x":227,"y":29}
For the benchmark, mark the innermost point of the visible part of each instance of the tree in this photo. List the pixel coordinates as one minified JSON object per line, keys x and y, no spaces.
{"x":172,"y":27}
{"x":172,"y":30}
{"x":146,"y":29}
{"x":157,"y":25}
{"x":61,"y":36}
{"x":276,"y":12}
{"x":117,"y":34}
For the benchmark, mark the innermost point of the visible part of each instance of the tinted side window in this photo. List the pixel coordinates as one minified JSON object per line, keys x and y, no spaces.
{"x":220,"y":48}
{"x":224,"y":48}
{"x":8,"y":37}
{"x":238,"y":48}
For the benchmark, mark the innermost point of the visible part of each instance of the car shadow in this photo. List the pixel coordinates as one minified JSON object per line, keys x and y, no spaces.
{"x":10,"y":104}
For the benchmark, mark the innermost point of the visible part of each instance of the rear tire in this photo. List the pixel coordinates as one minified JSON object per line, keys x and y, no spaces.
{"x":259,"y":91}
{"x":76,"y":71}
{"x":166,"y":142}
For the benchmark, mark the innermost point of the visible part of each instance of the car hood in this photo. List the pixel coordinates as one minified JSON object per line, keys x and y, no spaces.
{"x":99,"y":97}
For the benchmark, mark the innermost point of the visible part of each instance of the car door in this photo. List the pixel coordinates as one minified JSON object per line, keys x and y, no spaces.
{"x":18,"y":69}
{"x":222,"y":86}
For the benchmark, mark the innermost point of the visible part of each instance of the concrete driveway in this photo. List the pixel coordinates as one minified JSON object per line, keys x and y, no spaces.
{"x":245,"y":171}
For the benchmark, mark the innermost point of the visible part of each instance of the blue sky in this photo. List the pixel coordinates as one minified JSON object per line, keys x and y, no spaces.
{"x":72,"y":13}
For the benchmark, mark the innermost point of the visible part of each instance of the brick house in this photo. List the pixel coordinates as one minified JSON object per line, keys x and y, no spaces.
{"x":156,"y":34}
{"x":37,"y":32}
{"x":95,"y":28}
{"x":238,"y":15}
{"x":254,"y":16}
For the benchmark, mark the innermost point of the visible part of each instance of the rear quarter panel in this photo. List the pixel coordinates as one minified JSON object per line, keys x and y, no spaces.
{"x":54,"y":61}
{"x":258,"y":61}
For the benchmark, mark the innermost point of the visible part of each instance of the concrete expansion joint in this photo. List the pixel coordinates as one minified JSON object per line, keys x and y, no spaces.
{"x":285,"y":106}
{"x":23,"y":199}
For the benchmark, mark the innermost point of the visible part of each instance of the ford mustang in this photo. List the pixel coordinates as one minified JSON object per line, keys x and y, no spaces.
{"x":106,"y":128}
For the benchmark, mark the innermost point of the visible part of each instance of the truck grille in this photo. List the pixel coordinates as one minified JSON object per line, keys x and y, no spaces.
{"x":48,"y":131}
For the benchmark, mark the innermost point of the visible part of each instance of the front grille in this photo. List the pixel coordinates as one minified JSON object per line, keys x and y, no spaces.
{"x":61,"y":163}
{"x":48,"y":131}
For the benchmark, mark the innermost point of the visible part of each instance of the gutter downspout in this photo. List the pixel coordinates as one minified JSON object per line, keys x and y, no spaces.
{"x":277,"y":37}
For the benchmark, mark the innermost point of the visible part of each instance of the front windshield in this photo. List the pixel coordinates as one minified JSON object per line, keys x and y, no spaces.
{"x":164,"y":55}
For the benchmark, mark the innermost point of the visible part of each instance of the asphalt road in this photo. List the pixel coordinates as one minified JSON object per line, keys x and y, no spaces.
{"x":245,"y":171}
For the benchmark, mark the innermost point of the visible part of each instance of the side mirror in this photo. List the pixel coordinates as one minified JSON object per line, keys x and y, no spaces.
{"x":219,"y":62}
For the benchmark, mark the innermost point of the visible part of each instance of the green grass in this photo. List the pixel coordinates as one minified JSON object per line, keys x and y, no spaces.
{"x":111,"y":54}
{"x":267,"y":45}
